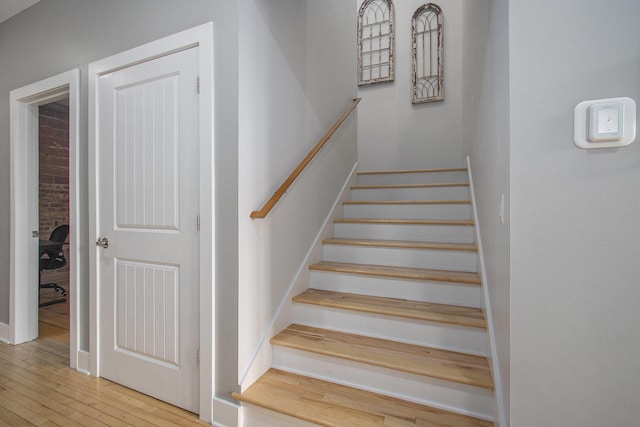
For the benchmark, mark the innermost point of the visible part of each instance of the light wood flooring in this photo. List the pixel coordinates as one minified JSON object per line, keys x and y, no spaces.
{"x":333,"y":405}
{"x":398,"y":272}
{"x":53,"y":320}
{"x":37,"y":387}
{"x":411,"y":171}
{"x":428,"y":311}
{"x":431,"y":362}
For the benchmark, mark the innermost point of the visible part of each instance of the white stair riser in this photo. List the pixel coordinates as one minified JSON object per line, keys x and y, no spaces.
{"x":415,"y":258}
{"x":421,"y":193}
{"x":419,"y":232}
{"x":442,"y":394}
{"x":413,"y":178}
{"x":464,"y":295}
{"x":424,"y":211}
{"x":463,"y":339}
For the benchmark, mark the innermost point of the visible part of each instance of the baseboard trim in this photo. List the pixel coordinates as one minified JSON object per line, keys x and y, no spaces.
{"x":84,"y":364}
{"x":4,"y":333}
{"x":495,"y":365}
{"x":226,"y":413}
{"x":263,"y":350}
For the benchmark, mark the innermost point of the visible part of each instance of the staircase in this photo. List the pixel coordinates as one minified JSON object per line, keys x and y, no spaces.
{"x":390,"y":331}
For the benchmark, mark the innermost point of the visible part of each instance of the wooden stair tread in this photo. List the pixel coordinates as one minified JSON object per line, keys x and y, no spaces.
{"x":425,"y":185}
{"x":403,"y":221}
{"x":389,"y":172}
{"x":443,"y":313}
{"x":399,"y":272}
{"x":332,"y":405}
{"x":403,"y":244}
{"x":442,"y":364}
{"x":407,"y":202}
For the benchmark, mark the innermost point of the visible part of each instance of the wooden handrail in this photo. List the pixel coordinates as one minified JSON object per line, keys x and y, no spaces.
{"x":262,"y":213}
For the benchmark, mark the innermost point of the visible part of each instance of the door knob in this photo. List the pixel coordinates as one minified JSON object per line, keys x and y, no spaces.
{"x":104,"y":242}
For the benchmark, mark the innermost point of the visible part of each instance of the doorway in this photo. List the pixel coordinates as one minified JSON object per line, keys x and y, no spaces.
{"x":25,"y":195}
{"x":53,"y":214}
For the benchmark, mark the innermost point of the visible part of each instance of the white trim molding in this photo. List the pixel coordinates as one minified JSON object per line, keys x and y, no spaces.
{"x":23,"y":299}
{"x":202,"y":37}
{"x":4,"y":332}
{"x":493,"y":348}
{"x":227,"y":413}
{"x":83,"y":361}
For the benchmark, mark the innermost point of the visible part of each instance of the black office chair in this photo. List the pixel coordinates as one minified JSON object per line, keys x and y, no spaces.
{"x":51,"y":258}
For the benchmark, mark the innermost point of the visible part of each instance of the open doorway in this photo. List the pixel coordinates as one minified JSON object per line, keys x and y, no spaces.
{"x":25,"y":239}
{"x":53,"y":213}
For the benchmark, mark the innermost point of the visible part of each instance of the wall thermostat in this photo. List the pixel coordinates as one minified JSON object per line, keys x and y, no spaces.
{"x":605,"y":123}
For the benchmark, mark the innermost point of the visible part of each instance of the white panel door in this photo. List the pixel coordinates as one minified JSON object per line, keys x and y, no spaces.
{"x":147,"y":161}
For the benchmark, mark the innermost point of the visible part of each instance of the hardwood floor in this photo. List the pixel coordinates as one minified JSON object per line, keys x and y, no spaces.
{"x":37,"y":387}
{"x":399,"y":272}
{"x":329,"y":404}
{"x":421,"y":360}
{"x":53,"y":320}
{"x":455,"y":315}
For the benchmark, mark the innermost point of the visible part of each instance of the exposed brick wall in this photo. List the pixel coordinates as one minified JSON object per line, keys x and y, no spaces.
{"x":54,"y":167}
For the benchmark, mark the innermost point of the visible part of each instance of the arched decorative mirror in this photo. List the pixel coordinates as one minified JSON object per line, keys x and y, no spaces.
{"x":375,"y":42}
{"x":427,"y":46}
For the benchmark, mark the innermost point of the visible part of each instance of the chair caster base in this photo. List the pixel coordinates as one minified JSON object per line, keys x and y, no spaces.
{"x":56,"y":288}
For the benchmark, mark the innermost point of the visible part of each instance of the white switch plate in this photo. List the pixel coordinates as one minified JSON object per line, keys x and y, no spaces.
{"x":604,"y":123}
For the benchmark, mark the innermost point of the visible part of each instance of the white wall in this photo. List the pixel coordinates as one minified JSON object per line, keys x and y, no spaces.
{"x":394,"y":133}
{"x":486,"y":120}
{"x":575,"y":239}
{"x":296,"y":78}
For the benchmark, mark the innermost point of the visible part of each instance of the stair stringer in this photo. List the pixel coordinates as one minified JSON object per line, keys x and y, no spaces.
{"x":261,"y":359}
{"x":492,"y":356}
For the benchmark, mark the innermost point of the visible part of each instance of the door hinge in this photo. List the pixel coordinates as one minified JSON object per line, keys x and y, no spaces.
{"x":198,"y":85}
{"x":198,"y":358}
{"x":198,"y":222}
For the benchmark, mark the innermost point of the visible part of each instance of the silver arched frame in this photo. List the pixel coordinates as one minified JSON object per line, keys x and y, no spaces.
{"x":376,"y":41}
{"x":427,"y":49}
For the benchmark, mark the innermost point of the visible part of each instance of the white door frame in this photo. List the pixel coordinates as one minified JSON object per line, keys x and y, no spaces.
{"x":23,"y":304}
{"x":201,"y":36}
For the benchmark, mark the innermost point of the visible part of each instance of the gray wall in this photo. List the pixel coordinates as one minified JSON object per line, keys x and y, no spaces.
{"x":57,"y":35}
{"x":393,"y":132}
{"x":226,"y":69}
{"x":486,"y":121}
{"x":574,"y":230}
